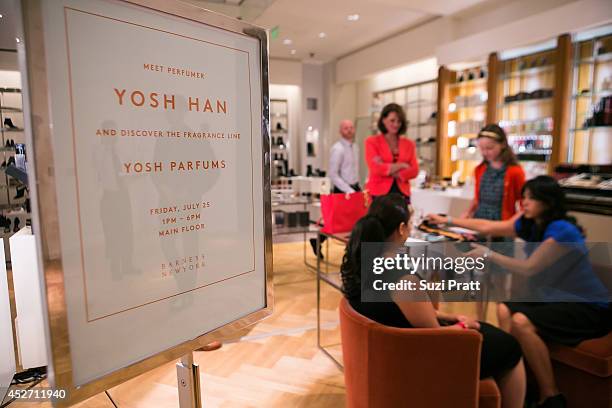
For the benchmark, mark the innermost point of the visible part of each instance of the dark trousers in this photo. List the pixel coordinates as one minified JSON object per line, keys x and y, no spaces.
{"x":355,"y":187}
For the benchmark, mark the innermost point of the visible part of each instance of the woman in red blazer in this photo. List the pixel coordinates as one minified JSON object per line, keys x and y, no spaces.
{"x":391,"y":158}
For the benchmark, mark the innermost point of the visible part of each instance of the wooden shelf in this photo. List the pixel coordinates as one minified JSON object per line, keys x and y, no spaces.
{"x":527,"y":134}
{"x":529,"y":72}
{"x":538,"y":100}
{"x":473,"y":82}
{"x":598,"y":94}
{"x":590,"y":128}
{"x":603,"y":58}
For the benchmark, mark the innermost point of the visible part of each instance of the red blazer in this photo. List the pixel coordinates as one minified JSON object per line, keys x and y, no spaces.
{"x":379,"y":158}
{"x":513,"y":184}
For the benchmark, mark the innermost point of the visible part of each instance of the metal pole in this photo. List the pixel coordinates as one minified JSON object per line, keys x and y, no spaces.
{"x":188,"y":377}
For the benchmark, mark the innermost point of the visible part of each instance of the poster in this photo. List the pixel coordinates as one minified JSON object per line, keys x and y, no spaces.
{"x":157,"y":146}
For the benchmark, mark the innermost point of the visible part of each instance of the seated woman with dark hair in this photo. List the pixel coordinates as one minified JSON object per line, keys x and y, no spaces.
{"x":388,"y":221}
{"x":572,"y":303}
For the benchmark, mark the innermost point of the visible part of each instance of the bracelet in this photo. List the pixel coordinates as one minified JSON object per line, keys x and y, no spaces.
{"x":462,"y":325}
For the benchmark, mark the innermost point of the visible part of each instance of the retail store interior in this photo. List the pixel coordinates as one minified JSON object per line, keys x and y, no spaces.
{"x":541,"y":70}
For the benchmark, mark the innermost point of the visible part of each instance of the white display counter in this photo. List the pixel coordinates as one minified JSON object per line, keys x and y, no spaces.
{"x":7,"y":350}
{"x":29,"y":323}
{"x":452,"y":201}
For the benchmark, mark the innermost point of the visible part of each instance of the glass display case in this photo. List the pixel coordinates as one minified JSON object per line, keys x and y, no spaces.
{"x":526,"y":108}
{"x":590,"y":139}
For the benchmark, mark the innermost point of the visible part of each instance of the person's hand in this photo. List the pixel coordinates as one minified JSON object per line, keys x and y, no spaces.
{"x":436,"y":219}
{"x":397,"y":167}
{"x":466,"y":214}
{"x":470,"y":323}
{"x":478,"y":251}
{"x":460,"y":317}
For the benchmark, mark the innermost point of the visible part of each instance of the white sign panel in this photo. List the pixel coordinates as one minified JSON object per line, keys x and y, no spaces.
{"x":157,"y":146}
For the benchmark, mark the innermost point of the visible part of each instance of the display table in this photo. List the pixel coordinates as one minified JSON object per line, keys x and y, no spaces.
{"x":452,"y":201}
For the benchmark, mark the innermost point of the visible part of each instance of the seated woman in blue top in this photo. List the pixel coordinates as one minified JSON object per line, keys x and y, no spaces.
{"x":583,"y":314}
{"x":388,"y":221}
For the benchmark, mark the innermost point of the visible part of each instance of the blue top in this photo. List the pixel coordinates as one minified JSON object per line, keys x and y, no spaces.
{"x":571,"y":277}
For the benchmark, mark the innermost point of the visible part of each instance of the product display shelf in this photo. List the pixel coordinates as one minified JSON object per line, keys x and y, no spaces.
{"x":11,"y":120}
{"x":280,"y":144}
{"x":419,"y":101}
{"x":13,"y":217}
{"x":466,"y":112}
{"x":526,"y":107}
{"x":590,"y":134}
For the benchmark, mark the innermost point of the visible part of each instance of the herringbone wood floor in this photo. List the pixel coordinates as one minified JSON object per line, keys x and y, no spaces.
{"x":275,"y":364}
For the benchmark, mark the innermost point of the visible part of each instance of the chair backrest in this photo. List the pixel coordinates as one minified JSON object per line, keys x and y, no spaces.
{"x":388,"y":367}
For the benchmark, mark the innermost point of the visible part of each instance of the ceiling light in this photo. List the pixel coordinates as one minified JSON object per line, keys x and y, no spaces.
{"x":1,"y":16}
{"x":17,"y":39}
{"x":352,"y":17}
{"x":287,"y":41}
{"x":322,"y":35}
{"x":293,"y":52}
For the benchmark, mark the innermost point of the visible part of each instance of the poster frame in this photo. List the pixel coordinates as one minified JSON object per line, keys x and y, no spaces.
{"x":45,"y":214}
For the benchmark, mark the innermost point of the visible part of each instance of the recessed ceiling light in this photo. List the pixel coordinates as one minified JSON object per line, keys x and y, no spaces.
{"x":352,"y":17}
{"x":17,"y":39}
{"x":287,"y":41}
{"x":1,"y":16}
{"x":293,"y":52}
{"x":322,"y":35}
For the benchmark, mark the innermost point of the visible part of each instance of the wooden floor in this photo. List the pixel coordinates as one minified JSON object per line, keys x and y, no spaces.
{"x":275,"y":364}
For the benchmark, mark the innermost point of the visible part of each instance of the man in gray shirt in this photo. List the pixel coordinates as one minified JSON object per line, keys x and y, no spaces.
{"x":343,"y":168}
{"x":344,"y":162}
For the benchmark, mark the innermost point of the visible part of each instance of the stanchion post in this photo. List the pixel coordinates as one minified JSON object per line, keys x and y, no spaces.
{"x":188,"y":377}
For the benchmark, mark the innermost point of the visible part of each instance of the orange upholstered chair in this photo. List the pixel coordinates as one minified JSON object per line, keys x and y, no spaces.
{"x":391,"y":367}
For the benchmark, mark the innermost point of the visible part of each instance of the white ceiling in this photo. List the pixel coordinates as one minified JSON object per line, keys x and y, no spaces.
{"x":7,"y":25}
{"x":301,"y":21}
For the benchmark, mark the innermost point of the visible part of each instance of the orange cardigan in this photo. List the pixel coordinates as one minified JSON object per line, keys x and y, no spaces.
{"x":379,"y":158}
{"x":513,"y":184}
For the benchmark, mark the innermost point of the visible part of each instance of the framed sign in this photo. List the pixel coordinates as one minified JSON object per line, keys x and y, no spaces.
{"x":149,"y":133}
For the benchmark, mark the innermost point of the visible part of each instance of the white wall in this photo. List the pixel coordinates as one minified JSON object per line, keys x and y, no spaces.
{"x":283,"y":72}
{"x":530,"y":29}
{"x":476,"y":33}
{"x":414,"y":45}
{"x":313,"y":87}
{"x":8,"y":61}
{"x":407,"y":75}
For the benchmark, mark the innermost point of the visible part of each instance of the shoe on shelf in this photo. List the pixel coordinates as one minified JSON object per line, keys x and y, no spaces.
{"x":557,"y":401}
{"x":20,"y":193}
{"x":12,"y":143}
{"x":16,"y":224}
{"x":9,"y":123}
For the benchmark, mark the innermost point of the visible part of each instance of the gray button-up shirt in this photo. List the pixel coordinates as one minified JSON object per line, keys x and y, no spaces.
{"x":343,"y":165}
